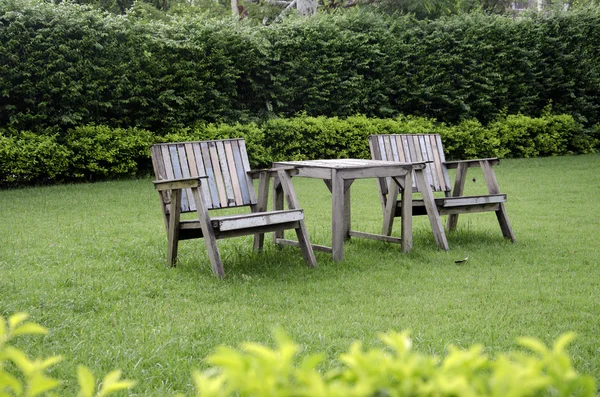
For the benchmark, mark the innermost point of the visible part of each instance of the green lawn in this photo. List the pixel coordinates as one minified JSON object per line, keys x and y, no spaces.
{"x":87,"y":261}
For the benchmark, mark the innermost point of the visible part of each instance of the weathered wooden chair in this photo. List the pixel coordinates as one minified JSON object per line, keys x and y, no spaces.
{"x":428,"y":147}
{"x":206,"y":175}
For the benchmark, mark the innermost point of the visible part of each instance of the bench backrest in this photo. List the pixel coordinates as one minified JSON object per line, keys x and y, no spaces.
{"x":224,"y":162}
{"x":413,"y":148}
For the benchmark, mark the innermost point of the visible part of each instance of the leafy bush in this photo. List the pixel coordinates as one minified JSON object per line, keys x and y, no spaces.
{"x":26,"y":157}
{"x":99,"y":152}
{"x":394,"y":370}
{"x":549,"y":135}
{"x":31,"y":379}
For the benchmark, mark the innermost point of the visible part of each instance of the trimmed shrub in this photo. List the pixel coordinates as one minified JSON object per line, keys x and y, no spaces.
{"x":549,"y":135}
{"x":28,"y":158}
{"x":91,"y":152}
{"x":100,"y":152}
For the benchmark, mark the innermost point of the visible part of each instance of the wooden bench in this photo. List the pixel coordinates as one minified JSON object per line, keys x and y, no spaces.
{"x":428,"y":148}
{"x":209,"y":175}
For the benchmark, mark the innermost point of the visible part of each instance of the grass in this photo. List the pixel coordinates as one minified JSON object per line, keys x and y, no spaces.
{"x":87,"y":261}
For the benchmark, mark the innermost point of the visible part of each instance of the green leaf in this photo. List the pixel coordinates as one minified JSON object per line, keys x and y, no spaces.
{"x":16,"y":319}
{"x":39,"y":383}
{"x":29,"y":328}
{"x":563,"y":341}
{"x":2,"y":329}
{"x":7,"y":381}
{"x":20,"y":360}
{"x":533,"y":344}
{"x":112,"y":383}
{"x":87,"y":382}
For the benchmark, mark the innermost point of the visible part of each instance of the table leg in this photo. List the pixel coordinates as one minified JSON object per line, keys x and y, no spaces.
{"x":338,"y":227}
{"x":277,"y":203}
{"x":347,"y":208}
{"x":406,"y":209}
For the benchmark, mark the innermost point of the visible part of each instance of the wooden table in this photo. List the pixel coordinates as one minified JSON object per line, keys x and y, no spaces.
{"x":338,"y":175}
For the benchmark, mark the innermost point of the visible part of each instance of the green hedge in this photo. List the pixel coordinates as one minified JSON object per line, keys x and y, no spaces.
{"x":66,"y":65}
{"x":90,"y":153}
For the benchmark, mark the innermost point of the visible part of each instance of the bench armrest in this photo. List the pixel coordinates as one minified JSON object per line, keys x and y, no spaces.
{"x":180,"y":183}
{"x":471,"y":163}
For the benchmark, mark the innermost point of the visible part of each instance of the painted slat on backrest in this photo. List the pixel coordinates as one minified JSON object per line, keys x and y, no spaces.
{"x":226,"y":174}
{"x":160,"y":172}
{"x":425,"y":155}
{"x":204,"y":188}
{"x":375,"y":143}
{"x":237,"y":192}
{"x":414,"y":148}
{"x":185,"y":173}
{"x":192,"y":169}
{"x":176,"y":167}
{"x":439,"y":164}
{"x":442,"y":157}
{"x":435,"y":183}
{"x":224,"y":163}
{"x":218,"y":174}
{"x":212,"y":186}
{"x":246,"y":166}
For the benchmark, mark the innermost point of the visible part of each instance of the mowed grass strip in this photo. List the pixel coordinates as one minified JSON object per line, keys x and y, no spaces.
{"x":88,"y":262}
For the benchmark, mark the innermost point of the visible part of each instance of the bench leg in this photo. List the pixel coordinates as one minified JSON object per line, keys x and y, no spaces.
{"x":504,"y":222}
{"x":432,"y":212}
{"x":459,"y":187}
{"x":390,"y":209}
{"x":493,"y":188}
{"x":261,"y":206}
{"x":301,"y":231}
{"x":173,"y":227}
{"x":209,"y":236}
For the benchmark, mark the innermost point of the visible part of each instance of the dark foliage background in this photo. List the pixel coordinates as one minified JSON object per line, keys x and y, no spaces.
{"x":84,"y":92}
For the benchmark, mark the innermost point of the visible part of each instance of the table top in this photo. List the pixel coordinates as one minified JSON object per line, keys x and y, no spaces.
{"x":342,"y":164}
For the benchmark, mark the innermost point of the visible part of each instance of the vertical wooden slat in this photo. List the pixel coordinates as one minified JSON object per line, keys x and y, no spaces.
{"x":244,"y":156}
{"x":177,"y":174}
{"x":438,"y":140}
{"x":439,"y":165}
{"x":376,"y":155}
{"x":409,"y":152}
{"x":245,"y":182}
{"x":212,"y":186}
{"x":398,"y":144}
{"x":435,"y":180}
{"x":218,"y":173}
{"x":235,"y":182}
{"x":158,"y":164}
{"x":185,"y":172}
{"x":166,"y":154}
{"x":202,"y":172}
{"x":193,"y":169}
{"x":226,"y":173}
{"x":425,"y":157}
